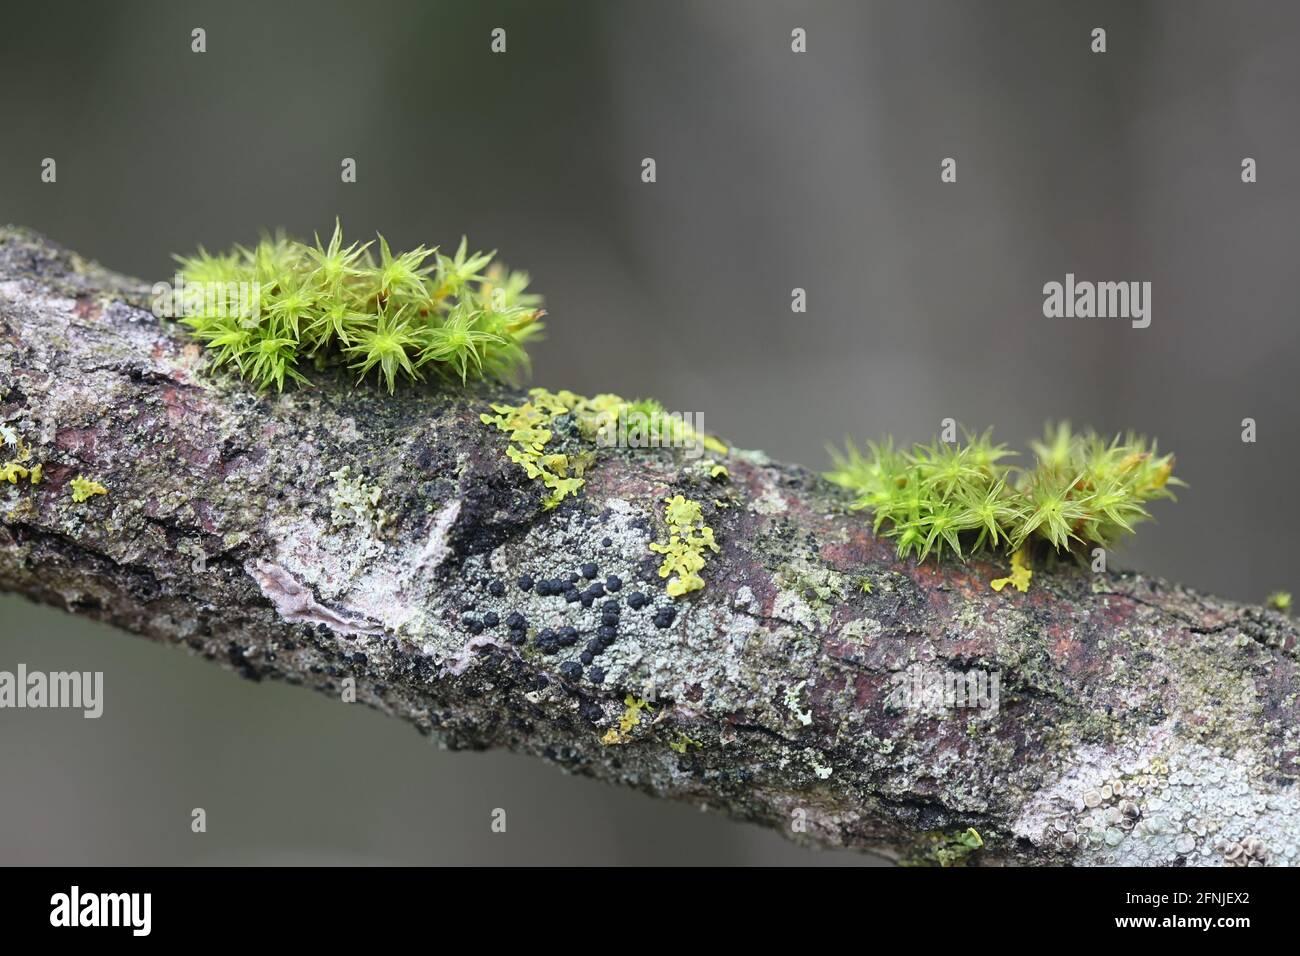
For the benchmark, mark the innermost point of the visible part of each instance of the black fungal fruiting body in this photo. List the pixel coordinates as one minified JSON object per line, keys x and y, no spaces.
{"x":587,"y":587}
{"x":571,"y":670}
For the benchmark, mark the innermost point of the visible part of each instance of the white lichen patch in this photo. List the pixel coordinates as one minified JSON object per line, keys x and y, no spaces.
{"x":791,"y":605}
{"x":809,"y":592}
{"x":392,"y":586}
{"x":793,"y":697}
{"x":864,"y":630}
{"x":770,"y":502}
{"x":743,"y":599}
{"x":1163,"y":803}
{"x":460,"y":662}
{"x":814,"y":760}
{"x":347,"y":430}
{"x":296,"y":604}
{"x":437,"y":546}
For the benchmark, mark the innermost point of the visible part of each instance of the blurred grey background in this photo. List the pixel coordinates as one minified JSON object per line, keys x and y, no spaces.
{"x":775,"y":170}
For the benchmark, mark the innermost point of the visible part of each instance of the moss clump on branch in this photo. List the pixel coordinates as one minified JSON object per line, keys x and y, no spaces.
{"x":961,"y":497}
{"x":945,"y":849}
{"x":268,"y":310}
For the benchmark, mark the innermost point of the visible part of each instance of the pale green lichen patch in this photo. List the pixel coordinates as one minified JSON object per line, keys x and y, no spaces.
{"x":819,"y":585}
{"x":813,"y":759}
{"x":10,"y":439}
{"x":793,"y":700}
{"x":354,"y":503}
{"x":808,"y":590}
{"x":680,"y":658}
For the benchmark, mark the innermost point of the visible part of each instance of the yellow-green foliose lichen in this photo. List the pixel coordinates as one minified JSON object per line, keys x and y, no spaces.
{"x":689,"y":542}
{"x":17,"y":468}
{"x":84,"y":489}
{"x":604,"y":420}
{"x":630,"y":717}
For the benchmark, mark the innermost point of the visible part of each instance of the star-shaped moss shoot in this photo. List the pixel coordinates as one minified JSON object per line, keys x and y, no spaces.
{"x":267,"y":311}
{"x":1082,"y":490}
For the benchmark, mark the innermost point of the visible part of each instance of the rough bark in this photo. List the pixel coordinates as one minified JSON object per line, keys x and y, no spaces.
{"x":776,"y":689}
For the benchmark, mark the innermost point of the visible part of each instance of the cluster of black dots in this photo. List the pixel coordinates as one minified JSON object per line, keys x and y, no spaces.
{"x":577,"y":587}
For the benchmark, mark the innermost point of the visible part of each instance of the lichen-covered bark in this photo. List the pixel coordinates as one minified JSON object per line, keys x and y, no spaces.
{"x":1135,"y":721}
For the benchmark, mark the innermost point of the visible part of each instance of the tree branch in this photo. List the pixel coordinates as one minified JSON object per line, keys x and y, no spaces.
{"x":1118,"y":719}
